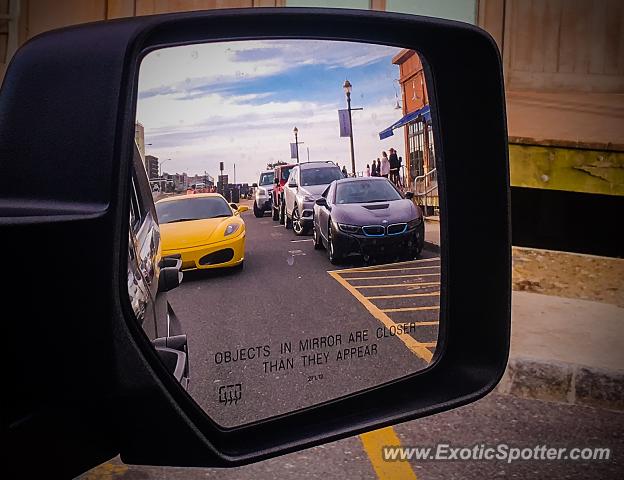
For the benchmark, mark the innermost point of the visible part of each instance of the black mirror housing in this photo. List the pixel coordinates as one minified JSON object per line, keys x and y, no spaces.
{"x":86,"y":76}
{"x":409,"y":195}
{"x":321,"y":201}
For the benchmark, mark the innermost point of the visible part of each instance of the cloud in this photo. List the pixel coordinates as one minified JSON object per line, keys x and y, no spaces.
{"x":204,"y":104}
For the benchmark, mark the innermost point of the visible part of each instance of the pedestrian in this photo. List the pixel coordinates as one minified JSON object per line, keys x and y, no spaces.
{"x":394,"y":167}
{"x":368,"y":171}
{"x":385,"y":165}
{"x":400,"y":168}
{"x":376,"y":166}
{"x":344,"y":171}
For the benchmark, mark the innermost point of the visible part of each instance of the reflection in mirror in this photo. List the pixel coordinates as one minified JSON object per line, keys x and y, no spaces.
{"x":326,"y":286}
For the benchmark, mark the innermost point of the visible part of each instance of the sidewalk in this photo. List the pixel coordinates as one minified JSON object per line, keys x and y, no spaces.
{"x":566,"y":350}
{"x":563,"y":349}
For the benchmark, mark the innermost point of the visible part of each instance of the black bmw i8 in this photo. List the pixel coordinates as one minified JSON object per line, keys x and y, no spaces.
{"x":368,"y":217}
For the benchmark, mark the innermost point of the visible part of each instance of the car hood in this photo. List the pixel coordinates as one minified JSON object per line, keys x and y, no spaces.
{"x":175,"y":236}
{"x":313,"y":190}
{"x":397,"y":211}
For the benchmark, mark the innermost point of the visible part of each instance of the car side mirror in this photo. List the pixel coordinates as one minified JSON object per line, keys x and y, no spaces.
{"x":409,"y":195}
{"x":254,"y":185}
{"x":242,"y":208}
{"x":268,"y":384}
{"x":321,"y":202}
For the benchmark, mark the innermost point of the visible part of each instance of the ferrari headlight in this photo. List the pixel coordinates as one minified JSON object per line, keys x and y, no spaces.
{"x":349,"y":228}
{"x":230,"y":229}
{"x":414,"y":223}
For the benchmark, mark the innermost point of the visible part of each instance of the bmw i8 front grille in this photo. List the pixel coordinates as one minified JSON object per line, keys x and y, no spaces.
{"x":396,"y":228}
{"x":374,"y":230}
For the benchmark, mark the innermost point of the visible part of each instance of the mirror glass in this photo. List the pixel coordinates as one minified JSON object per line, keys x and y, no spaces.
{"x":294,"y":302}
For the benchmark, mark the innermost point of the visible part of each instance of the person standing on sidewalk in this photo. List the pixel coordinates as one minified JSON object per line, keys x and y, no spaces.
{"x":368,"y":170}
{"x":394,"y":167}
{"x":344,"y":171}
{"x":385,"y":165}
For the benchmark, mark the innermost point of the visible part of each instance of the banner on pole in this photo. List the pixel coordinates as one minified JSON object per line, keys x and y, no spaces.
{"x":345,"y":126}
{"x":293,"y":150}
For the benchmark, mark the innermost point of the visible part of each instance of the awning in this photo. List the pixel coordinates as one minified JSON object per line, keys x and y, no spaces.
{"x":410,"y":117}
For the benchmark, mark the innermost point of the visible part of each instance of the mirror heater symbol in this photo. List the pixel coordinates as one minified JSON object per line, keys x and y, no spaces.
{"x":230,"y":394}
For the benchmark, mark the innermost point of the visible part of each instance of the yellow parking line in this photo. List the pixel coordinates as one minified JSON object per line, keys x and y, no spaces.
{"x":372,"y":267}
{"x":373,"y":443}
{"x":410,"y":309}
{"x":395,"y":276}
{"x":425,"y":324}
{"x":423,"y":284}
{"x":416,"y":347}
{"x":392,"y":269}
{"x":405,"y":295}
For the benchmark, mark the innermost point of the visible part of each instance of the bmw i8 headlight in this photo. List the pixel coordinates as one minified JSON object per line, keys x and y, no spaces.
{"x":309,"y":198}
{"x":349,"y":228}
{"x":230,"y":229}
{"x":414,"y":223}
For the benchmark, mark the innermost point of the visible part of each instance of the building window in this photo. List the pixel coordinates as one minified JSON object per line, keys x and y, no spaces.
{"x":416,"y":141}
{"x":9,"y":13}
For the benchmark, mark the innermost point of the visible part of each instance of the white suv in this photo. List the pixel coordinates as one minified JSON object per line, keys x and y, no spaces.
{"x":306,"y":183}
{"x":262,"y":200}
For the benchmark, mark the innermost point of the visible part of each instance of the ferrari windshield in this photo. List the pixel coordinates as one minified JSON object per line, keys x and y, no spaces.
{"x":366,"y":191}
{"x":192,"y":208}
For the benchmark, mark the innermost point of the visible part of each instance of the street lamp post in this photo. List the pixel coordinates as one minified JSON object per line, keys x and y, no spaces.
{"x":296,"y":132}
{"x":160,"y":169}
{"x":347,"y":89}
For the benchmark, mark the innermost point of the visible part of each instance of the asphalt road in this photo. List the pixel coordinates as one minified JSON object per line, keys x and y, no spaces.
{"x":492,"y":420}
{"x":288,"y":332}
{"x":285,"y":295}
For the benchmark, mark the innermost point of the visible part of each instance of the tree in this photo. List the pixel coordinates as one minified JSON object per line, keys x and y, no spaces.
{"x":271,"y":166}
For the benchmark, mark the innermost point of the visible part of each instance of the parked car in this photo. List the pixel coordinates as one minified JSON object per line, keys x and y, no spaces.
{"x":203,"y":229}
{"x":305,"y":184}
{"x":264,"y":189}
{"x":369,"y":217}
{"x":281,"y":175}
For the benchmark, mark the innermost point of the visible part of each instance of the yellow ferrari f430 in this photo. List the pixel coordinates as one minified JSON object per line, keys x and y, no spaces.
{"x":204,"y":229}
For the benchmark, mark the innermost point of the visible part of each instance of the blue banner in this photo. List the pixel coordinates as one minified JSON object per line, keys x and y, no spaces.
{"x":345,"y":126}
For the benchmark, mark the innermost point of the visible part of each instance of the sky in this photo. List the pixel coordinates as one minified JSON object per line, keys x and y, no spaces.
{"x":237,"y":102}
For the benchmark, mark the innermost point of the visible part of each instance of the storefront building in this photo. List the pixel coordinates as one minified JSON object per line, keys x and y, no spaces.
{"x":419,"y":171}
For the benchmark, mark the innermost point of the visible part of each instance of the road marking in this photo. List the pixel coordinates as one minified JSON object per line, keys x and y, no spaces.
{"x":406,"y":295}
{"x":394,"y":269}
{"x":304,"y":240}
{"x":410,"y":309}
{"x":108,"y":471}
{"x":396,"y":276}
{"x":276,"y":226}
{"x":423,"y":284}
{"x":372,"y":267}
{"x":416,"y":347}
{"x":373,"y":443}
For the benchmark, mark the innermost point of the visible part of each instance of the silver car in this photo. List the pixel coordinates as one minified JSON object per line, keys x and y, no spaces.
{"x":262,"y":200}
{"x":305,"y":185}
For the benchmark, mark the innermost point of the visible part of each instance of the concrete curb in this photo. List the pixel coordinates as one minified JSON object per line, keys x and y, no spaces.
{"x":563,"y":382}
